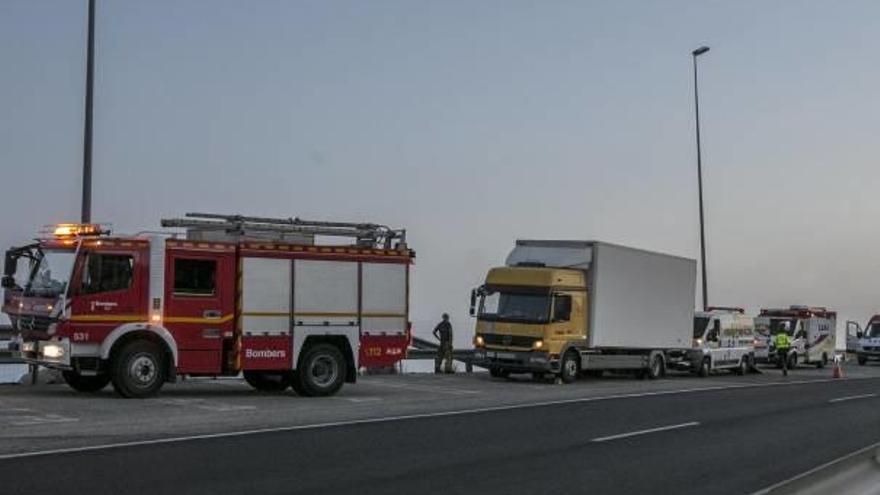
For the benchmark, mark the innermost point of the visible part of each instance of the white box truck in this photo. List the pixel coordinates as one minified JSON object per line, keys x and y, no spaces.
{"x":569,"y":307}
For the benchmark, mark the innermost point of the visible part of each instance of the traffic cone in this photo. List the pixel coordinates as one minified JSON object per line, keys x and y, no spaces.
{"x":837,"y":370}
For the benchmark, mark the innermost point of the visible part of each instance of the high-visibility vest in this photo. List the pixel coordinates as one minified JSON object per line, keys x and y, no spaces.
{"x":782,"y":341}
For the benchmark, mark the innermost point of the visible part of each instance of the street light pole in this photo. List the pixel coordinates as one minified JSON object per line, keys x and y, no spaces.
{"x":696,"y":53}
{"x":87,"y":128}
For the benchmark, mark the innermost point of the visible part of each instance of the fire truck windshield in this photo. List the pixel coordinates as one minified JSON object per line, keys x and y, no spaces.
{"x":50,"y":273}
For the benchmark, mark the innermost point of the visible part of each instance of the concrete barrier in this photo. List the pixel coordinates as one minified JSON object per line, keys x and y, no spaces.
{"x":856,"y":473}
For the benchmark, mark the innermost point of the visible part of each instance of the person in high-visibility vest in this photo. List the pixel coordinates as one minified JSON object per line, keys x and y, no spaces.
{"x":783,"y":343}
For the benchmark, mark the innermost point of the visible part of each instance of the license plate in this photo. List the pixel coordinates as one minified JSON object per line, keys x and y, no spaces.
{"x":503,"y":355}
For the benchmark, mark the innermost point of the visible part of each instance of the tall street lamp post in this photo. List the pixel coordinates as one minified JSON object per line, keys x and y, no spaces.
{"x":87,"y":128}
{"x":696,"y":53}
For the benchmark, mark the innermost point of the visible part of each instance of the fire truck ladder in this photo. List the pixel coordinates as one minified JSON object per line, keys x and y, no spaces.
{"x":365,"y":234}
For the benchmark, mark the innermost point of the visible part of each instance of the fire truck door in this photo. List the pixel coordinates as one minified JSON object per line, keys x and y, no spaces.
{"x":107,"y":293}
{"x":199,"y":310}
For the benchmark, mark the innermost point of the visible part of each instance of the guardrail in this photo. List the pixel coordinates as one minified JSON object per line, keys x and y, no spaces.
{"x":855,"y":473}
{"x":425,"y":349}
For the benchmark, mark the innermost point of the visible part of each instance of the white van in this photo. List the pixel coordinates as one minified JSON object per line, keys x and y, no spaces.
{"x":723,"y":340}
{"x":812,"y":329}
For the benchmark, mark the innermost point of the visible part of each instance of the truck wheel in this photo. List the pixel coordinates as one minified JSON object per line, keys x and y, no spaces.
{"x":82,"y":383}
{"x":655,"y":370}
{"x":705,"y":365}
{"x":822,"y":362}
{"x":499,"y":373}
{"x":138,"y":370}
{"x":267,"y":381}
{"x":321,"y":371}
{"x":862,"y":359}
{"x":792,"y":360}
{"x":569,"y":367}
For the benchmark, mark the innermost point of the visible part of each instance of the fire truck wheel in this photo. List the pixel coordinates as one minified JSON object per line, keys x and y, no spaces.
{"x":267,"y":381}
{"x":321,"y":371}
{"x":138,"y":369}
{"x":82,"y":383}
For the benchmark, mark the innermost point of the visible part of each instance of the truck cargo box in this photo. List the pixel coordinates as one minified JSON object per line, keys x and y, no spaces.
{"x":637,"y":299}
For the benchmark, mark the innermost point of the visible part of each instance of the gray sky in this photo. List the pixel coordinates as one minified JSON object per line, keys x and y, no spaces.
{"x":470,"y":124}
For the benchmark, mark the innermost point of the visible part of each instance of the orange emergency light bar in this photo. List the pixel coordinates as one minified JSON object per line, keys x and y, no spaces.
{"x":75,"y":229}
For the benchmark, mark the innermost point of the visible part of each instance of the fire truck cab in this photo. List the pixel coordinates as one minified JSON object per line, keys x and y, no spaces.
{"x":234,"y":295}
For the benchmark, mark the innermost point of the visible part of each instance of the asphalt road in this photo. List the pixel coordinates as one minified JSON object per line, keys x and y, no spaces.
{"x":725,"y":439}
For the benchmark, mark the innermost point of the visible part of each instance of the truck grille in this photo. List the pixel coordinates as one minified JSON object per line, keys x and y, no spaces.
{"x":509,"y":340}
{"x":30,"y":323}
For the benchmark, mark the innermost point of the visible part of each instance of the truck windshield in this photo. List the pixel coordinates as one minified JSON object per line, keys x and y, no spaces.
{"x":515,"y":307}
{"x":873,"y":331}
{"x":50,"y":273}
{"x":700,"y":323}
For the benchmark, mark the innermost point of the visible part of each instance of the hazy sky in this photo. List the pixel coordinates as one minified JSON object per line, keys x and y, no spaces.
{"x":470,"y":124}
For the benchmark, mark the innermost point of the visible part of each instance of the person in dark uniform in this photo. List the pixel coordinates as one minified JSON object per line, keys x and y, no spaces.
{"x":443,"y":333}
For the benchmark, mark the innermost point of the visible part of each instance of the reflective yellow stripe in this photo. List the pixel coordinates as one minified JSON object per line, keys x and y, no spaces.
{"x":229,"y":317}
{"x":108,"y":317}
{"x":144,"y":318}
{"x":186,"y":319}
{"x":276,"y":314}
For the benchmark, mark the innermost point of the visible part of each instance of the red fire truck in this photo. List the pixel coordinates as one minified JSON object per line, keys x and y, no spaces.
{"x":234,"y":294}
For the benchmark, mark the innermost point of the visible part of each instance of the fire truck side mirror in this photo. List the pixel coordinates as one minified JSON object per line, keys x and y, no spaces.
{"x":473,"y":309}
{"x":9,"y":266}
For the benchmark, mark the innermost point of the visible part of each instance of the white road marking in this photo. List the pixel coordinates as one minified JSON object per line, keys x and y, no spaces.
{"x":362,"y":399}
{"x":387,"y":419}
{"x":852,"y":397}
{"x":41,"y":420}
{"x":427,"y":388}
{"x":206,"y":405}
{"x":19,"y":416}
{"x":645,"y":432}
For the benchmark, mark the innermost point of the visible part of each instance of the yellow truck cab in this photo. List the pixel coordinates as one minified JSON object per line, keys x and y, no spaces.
{"x":529,"y":315}
{"x":568,"y":307}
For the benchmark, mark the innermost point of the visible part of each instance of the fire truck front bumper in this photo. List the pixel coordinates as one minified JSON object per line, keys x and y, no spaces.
{"x":516,"y":361}
{"x":48,"y":353}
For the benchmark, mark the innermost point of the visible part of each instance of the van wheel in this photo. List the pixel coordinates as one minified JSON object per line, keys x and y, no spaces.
{"x":792,"y":360}
{"x":655,"y":371}
{"x":863,"y":360}
{"x":743,"y":367}
{"x":267,"y":381}
{"x":570,"y":367}
{"x":138,"y":370}
{"x":82,"y":383}
{"x":822,"y":362}
{"x":321,"y":371}
{"x":703,"y":370}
